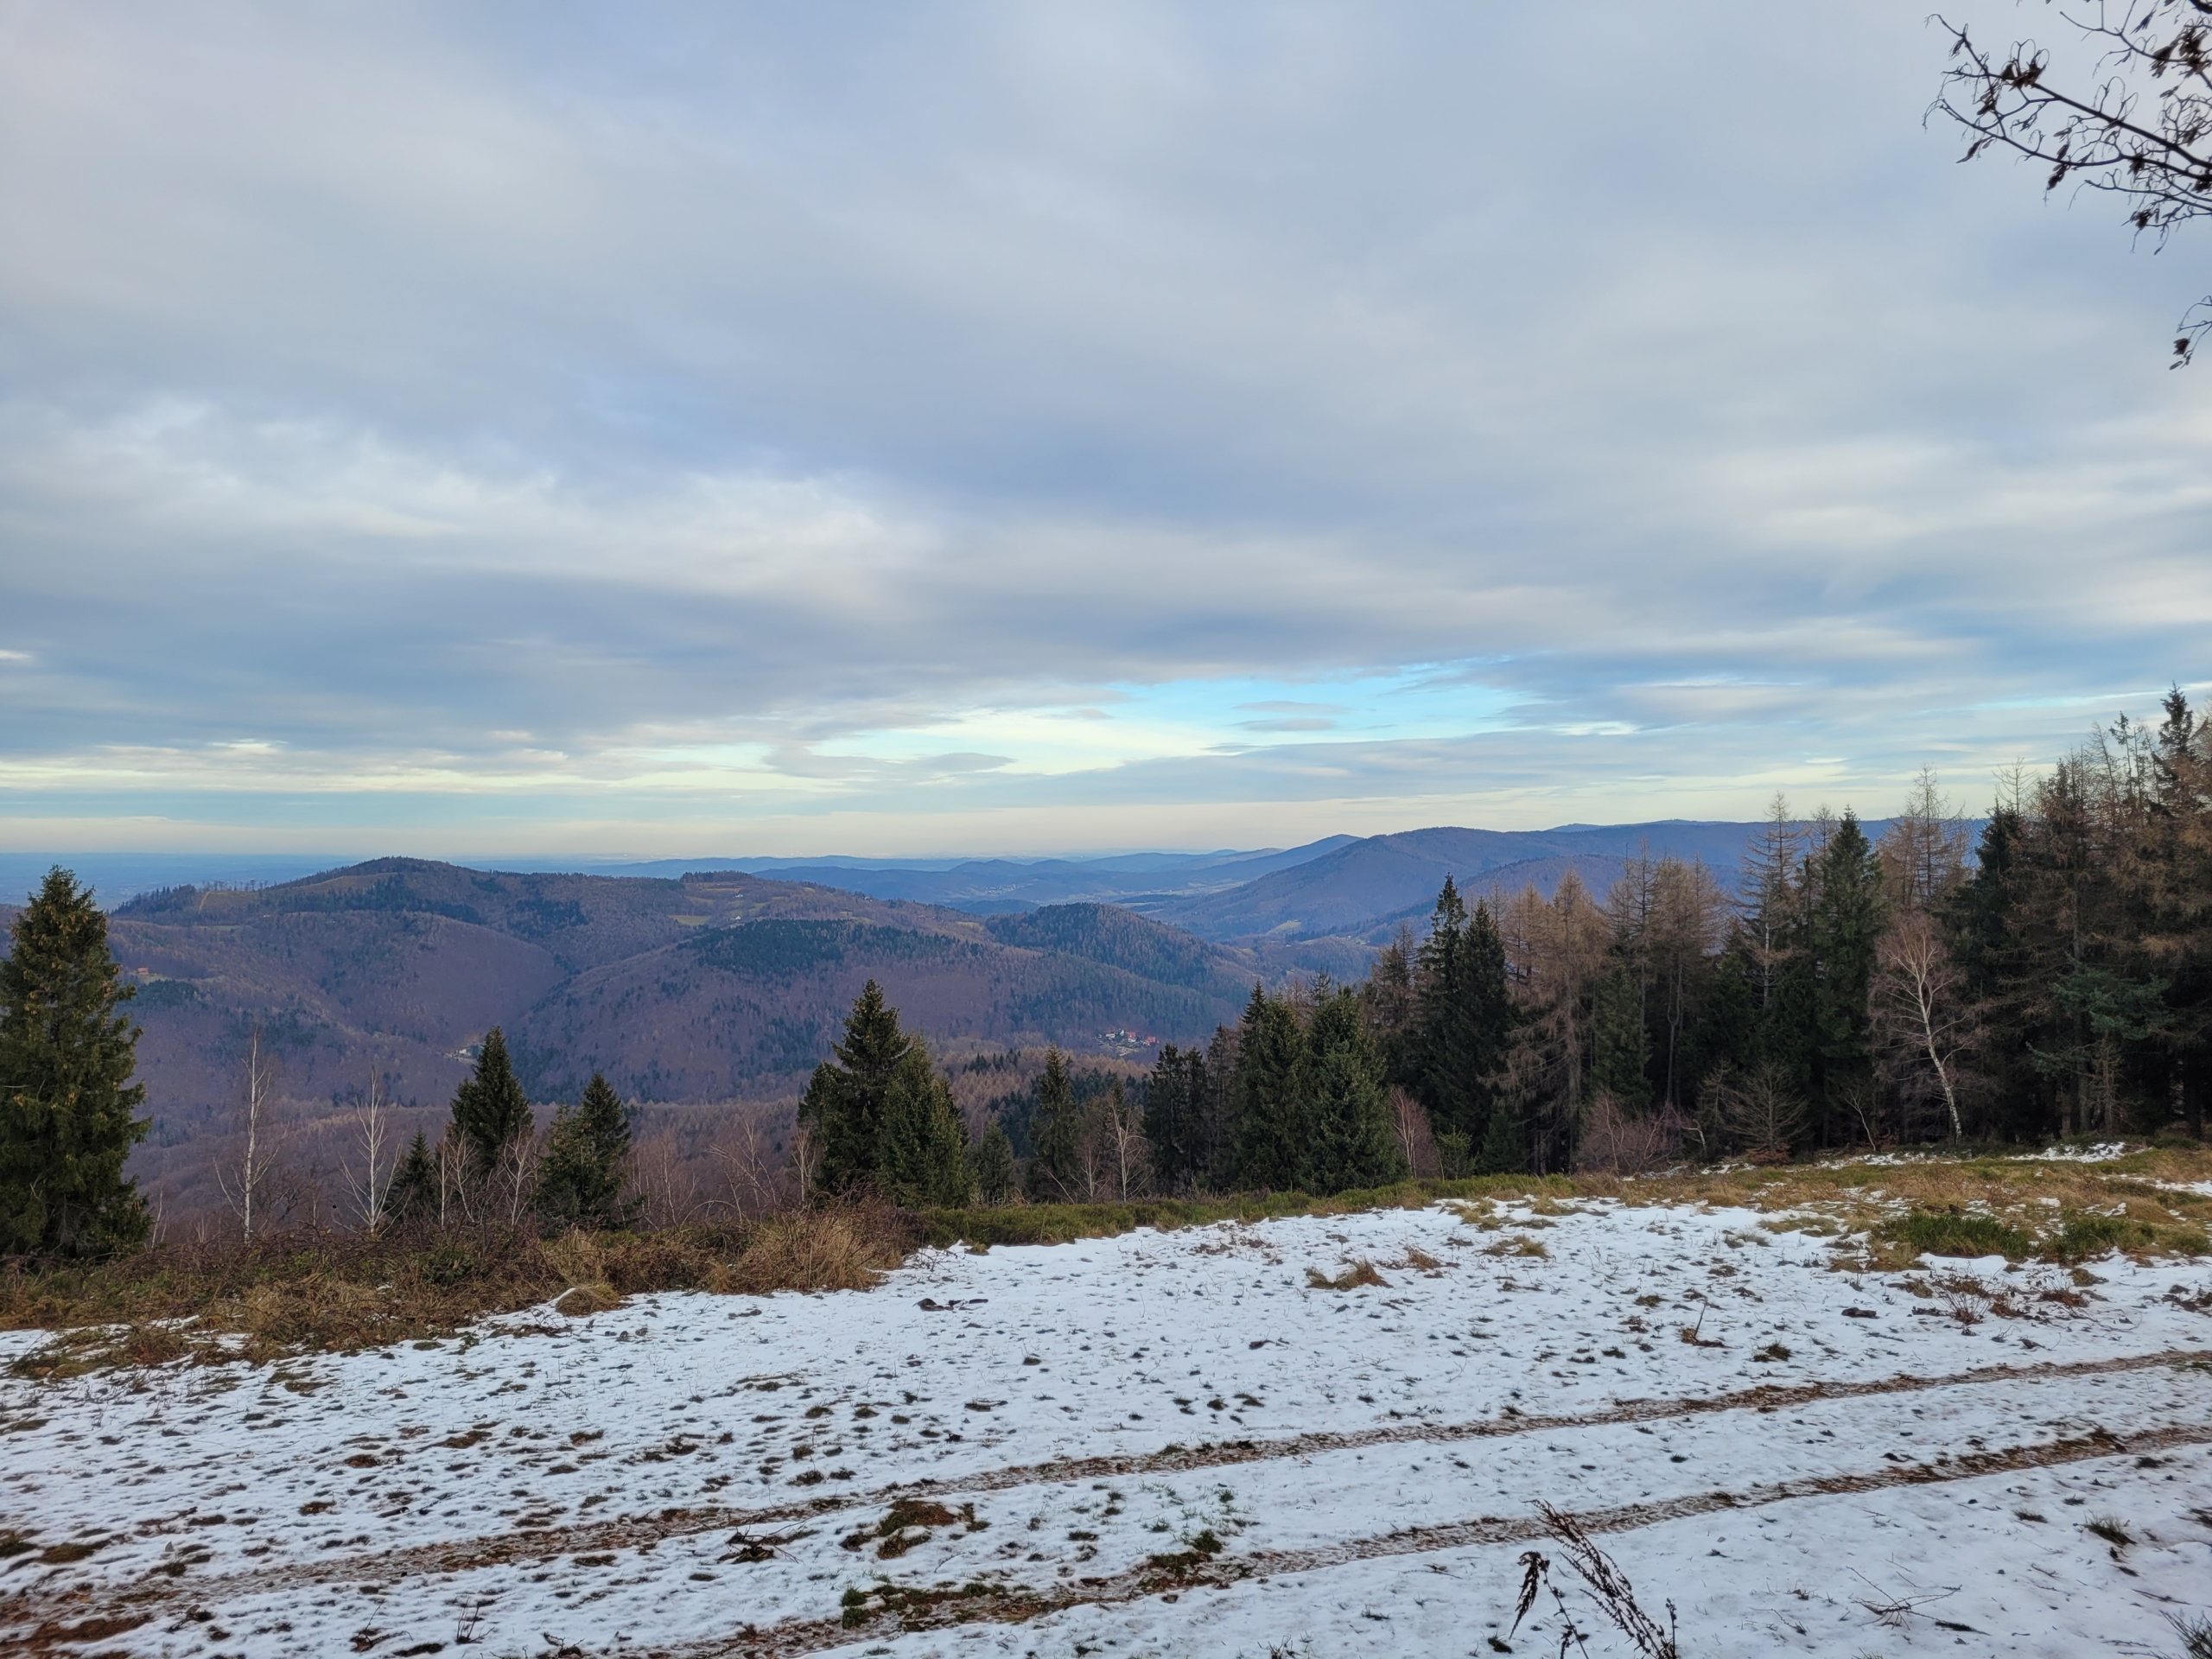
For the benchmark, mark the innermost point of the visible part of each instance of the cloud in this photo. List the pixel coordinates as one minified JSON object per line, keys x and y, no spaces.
{"x":631,"y":423}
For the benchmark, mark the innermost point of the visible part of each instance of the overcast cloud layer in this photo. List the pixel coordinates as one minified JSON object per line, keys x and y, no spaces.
{"x":656,"y":429}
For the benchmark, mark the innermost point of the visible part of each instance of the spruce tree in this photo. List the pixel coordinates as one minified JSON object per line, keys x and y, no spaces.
{"x":1273,"y":1081}
{"x":580,"y":1182}
{"x":1438,"y":1072}
{"x":1463,"y":1016}
{"x":1218,"y":1108}
{"x":921,"y":1145}
{"x":65,"y":1094}
{"x":414,"y":1193}
{"x":490,"y":1111}
{"x":1502,"y":1150}
{"x":845,"y":1098}
{"x":1845,"y":927}
{"x":1055,"y":1133}
{"x":1621,"y":1048}
{"x":1175,"y":1118}
{"x":1349,"y":1142}
{"x":992,"y":1164}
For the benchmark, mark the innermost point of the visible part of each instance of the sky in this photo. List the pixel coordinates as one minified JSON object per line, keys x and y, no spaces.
{"x":650,"y":430}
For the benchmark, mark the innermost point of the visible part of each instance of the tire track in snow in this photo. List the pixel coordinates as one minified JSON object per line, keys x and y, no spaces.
{"x":541,"y":1545}
{"x":1014,"y":1605}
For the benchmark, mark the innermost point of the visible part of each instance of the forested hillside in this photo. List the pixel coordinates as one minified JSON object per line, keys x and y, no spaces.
{"x":707,"y":989}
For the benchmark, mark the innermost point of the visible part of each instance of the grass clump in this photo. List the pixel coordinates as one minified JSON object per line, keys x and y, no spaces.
{"x":2111,"y":1528}
{"x":1362,"y":1272}
{"x":910,"y":1524}
{"x":1518,"y":1244}
{"x":2081,"y":1238}
{"x":1946,"y":1233}
{"x":2196,"y":1633}
{"x":1197,"y":1553}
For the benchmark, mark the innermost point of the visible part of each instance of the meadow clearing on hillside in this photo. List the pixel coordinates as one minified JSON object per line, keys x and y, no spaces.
{"x":307,"y":1292}
{"x":1758,"y":1396}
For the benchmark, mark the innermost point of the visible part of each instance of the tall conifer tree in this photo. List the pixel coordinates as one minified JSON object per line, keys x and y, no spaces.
{"x":1055,"y":1133}
{"x":1273,"y":1082}
{"x":1620,"y":1044}
{"x":66,"y":1095}
{"x":921,"y":1151}
{"x":1463,"y":1017}
{"x":490,"y":1110}
{"x":582,"y":1182}
{"x":1846,"y":927}
{"x":1175,"y":1109}
{"x":414,"y":1194}
{"x":845,"y":1100}
{"x":992,"y":1164}
{"x":1348,"y":1140}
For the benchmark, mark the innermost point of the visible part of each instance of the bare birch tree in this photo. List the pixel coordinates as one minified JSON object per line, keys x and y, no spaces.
{"x":369,"y":1189}
{"x":1922,"y":1018}
{"x":455,"y":1189}
{"x":1126,"y":1153}
{"x":510,"y":1184}
{"x":750,"y":1174}
{"x":243,"y":1184}
{"x":1417,"y":1140}
{"x":806,"y":1158}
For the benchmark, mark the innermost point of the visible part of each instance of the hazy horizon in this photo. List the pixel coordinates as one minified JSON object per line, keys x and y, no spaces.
{"x":589,"y":430}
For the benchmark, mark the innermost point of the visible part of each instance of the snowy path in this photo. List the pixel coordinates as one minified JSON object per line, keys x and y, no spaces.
{"x":699,"y":1475}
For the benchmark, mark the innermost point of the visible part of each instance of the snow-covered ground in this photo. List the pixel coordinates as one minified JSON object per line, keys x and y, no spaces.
{"x":1170,"y":1444}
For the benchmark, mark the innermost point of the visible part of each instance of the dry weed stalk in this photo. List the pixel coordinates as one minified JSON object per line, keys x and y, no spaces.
{"x":2196,"y":1633}
{"x":1896,"y":1612}
{"x":1608,"y":1587}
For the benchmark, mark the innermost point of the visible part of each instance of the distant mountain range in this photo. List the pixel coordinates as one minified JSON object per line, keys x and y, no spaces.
{"x":1163,"y":884}
{"x":1345,"y":888}
{"x":716,"y":983}
{"x":1363,"y":890}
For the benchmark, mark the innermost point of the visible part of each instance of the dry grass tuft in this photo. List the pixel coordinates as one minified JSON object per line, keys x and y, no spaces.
{"x":821,"y":1249}
{"x":333,"y":1292}
{"x":2111,"y":1528}
{"x":1361,"y":1272}
{"x":580,"y":1301}
{"x":1517,"y":1244}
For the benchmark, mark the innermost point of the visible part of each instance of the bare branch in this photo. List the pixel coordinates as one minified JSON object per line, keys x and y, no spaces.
{"x":2136,"y":124}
